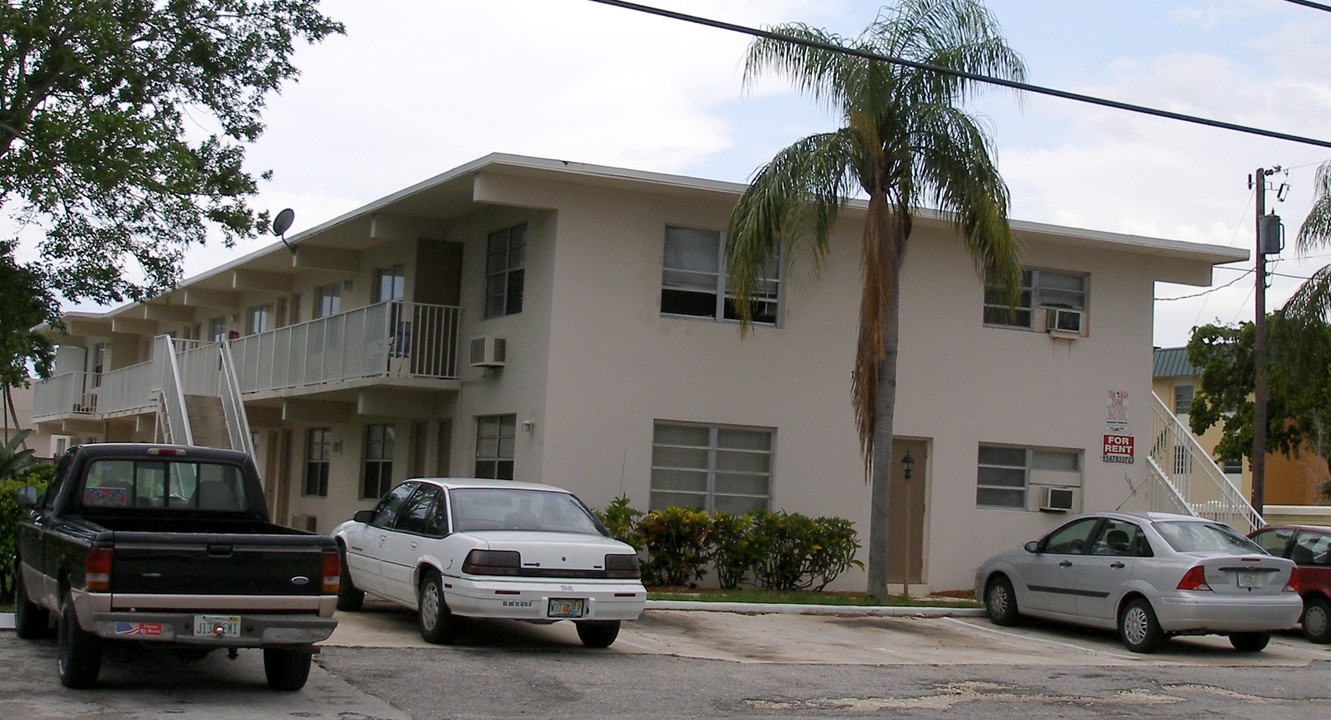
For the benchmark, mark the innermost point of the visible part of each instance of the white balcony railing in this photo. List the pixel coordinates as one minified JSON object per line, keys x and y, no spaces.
{"x":400,"y":339}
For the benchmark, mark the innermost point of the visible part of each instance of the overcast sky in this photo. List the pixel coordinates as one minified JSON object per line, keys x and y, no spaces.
{"x":417,"y":87}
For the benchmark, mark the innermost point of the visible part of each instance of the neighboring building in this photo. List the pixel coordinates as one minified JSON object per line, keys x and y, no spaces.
{"x":1289,"y":480}
{"x":567,"y":323}
{"x":16,"y":415}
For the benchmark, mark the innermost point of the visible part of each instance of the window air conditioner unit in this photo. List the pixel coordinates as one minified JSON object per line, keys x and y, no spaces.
{"x":1062,"y":321}
{"x":488,"y":351}
{"x":1057,"y":499}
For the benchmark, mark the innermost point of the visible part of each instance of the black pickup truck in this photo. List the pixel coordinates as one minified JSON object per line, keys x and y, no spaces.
{"x":169,"y":544}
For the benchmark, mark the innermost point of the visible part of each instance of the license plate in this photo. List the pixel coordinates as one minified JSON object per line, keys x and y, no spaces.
{"x":220,"y":626}
{"x":565,"y":608}
{"x":1250,"y":580}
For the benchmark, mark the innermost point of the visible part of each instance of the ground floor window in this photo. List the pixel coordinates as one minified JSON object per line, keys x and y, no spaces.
{"x":377,"y":474}
{"x":495,"y":436}
{"x":318,"y":457}
{"x":713,"y":468}
{"x":1007,"y":473}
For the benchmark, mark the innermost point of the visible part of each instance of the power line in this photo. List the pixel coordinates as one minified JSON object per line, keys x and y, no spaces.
{"x":1309,"y":4}
{"x":1036,"y":89}
{"x":1207,"y":291}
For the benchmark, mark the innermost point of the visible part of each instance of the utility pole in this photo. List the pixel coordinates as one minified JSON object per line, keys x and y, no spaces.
{"x":1269,"y":242}
{"x":1259,"y":355}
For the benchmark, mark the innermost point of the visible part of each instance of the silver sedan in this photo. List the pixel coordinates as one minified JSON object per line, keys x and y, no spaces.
{"x":1147,"y":575}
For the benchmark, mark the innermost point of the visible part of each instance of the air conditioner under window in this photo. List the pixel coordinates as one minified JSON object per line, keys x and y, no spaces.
{"x":488,"y":351}
{"x":1057,"y":499}
{"x":1063,"y":321}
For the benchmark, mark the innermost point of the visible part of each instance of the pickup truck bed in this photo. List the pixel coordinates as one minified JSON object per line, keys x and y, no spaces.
{"x":127,"y":545}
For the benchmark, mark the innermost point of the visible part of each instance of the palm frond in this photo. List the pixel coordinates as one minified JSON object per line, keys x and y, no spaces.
{"x":1312,"y":301}
{"x":1316,"y":229}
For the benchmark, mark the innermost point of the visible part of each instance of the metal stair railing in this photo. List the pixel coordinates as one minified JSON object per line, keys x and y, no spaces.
{"x":172,"y":395}
{"x":233,"y":407}
{"x":1193,"y":475}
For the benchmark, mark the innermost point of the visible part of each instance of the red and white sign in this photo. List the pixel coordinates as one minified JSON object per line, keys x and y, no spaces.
{"x":1118,"y":449}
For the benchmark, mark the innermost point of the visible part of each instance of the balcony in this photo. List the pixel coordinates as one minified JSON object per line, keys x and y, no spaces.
{"x":397,"y":342}
{"x":391,"y":340}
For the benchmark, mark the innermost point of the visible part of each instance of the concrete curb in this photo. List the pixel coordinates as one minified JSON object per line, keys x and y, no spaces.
{"x":6,"y":621}
{"x":797,"y":609}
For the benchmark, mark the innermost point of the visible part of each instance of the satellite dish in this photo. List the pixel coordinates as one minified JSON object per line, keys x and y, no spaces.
{"x":282,"y":223}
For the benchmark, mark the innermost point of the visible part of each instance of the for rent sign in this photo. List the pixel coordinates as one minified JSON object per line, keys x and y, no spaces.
{"x":1118,"y":449}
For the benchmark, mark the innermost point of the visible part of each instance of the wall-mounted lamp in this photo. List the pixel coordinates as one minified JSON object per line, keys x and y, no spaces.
{"x":346,"y":284}
{"x":907,"y":464}
{"x":528,"y":424}
{"x":337,"y":446}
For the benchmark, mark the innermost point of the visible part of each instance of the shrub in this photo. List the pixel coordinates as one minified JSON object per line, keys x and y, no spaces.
{"x":10,"y":514}
{"x":675,"y":540}
{"x":800,"y":553}
{"x":735,"y":550}
{"x":622,"y":521}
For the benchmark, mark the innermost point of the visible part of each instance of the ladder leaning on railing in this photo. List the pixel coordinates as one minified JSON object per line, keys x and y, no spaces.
{"x":1193,"y":478}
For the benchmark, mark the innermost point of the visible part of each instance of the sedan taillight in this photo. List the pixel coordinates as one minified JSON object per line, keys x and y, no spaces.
{"x":1194,"y":579}
{"x":492,"y":562}
{"x":622,"y":566}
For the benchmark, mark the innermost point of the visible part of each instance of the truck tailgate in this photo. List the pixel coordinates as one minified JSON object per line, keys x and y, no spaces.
{"x":217,"y":564}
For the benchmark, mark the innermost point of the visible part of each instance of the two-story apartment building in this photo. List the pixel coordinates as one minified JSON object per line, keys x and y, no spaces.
{"x":567,"y":323}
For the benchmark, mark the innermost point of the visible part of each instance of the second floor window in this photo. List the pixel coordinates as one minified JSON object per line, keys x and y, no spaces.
{"x":1039,"y":289}
{"x":505,"y":271}
{"x":1182,"y":399}
{"x":694,"y":282}
{"x":390,"y":283}
{"x":98,"y":363}
{"x":257,"y":319}
{"x":327,"y":300}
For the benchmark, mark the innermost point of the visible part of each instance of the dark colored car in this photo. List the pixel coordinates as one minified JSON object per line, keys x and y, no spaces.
{"x":1309,"y":546}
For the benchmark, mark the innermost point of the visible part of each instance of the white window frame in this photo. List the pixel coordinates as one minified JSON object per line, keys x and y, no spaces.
{"x":257,"y":318}
{"x":318,"y":458}
{"x":1183,"y":394}
{"x":1039,"y":288}
{"x":390,"y":283}
{"x":711,"y":279}
{"x":713,"y":468}
{"x":378,"y":454}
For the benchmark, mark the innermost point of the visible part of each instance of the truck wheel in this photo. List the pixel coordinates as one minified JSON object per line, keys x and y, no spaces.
{"x":286,"y":670}
{"x":80,"y":652}
{"x":348,"y":597}
{"x":598,"y":633}
{"x":438,"y":625}
{"x":31,"y":621}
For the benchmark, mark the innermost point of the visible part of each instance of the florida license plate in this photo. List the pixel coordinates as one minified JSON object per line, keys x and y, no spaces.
{"x":1250,"y":580}
{"x":219,"y":626}
{"x":565,"y":608}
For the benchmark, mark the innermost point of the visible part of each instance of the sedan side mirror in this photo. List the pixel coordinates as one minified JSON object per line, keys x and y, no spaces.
{"x":1033,"y":546}
{"x":26,"y":496}
{"x":363,"y":516}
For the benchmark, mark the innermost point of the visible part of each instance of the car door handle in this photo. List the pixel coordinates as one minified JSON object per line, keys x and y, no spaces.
{"x":1117,"y":565}
{"x":413,"y":546}
{"x":1065,"y":563}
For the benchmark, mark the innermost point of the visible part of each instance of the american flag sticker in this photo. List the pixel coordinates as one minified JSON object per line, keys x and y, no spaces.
{"x":133,"y":628}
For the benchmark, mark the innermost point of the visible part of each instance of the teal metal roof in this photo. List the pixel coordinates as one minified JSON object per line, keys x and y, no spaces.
{"x":1173,"y":362}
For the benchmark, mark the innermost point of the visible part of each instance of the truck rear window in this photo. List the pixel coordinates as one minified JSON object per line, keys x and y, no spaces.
{"x":187,"y":485}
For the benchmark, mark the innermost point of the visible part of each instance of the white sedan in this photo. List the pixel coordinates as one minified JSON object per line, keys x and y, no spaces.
{"x":467,"y":548}
{"x":1147,"y":575}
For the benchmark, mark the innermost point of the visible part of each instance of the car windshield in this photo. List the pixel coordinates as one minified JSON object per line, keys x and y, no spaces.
{"x":520,"y":509}
{"x":1191,"y":536}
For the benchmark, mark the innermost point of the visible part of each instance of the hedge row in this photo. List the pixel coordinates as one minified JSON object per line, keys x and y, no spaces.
{"x":771,"y":550}
{"x":10,"y":513}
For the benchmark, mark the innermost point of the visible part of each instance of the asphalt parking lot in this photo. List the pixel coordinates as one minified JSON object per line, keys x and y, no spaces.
{"x":963,"y":637}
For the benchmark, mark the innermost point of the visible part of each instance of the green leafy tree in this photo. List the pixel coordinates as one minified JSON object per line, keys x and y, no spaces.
{"x":123,"y":129}
{"x":1298,"y":391}
{"x":904,"y":142}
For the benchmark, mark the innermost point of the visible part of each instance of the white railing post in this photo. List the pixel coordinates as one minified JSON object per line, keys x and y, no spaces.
{"x":1213,"y":495}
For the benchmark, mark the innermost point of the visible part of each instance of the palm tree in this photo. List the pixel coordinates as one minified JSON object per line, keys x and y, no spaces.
{"x":1313,"y":298}
{"x":904,"y":141}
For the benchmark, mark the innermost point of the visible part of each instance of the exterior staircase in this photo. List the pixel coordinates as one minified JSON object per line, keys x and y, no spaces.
{"x":199,"y":397}
{"x":1185,"y":479}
